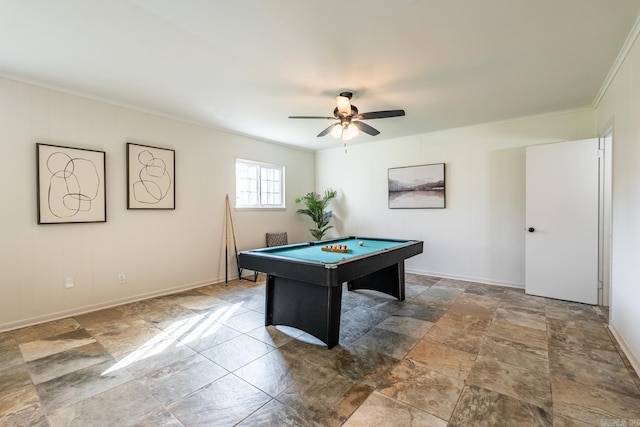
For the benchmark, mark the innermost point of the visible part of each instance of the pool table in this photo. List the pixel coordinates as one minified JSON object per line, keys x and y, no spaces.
{"x":304,"y":282}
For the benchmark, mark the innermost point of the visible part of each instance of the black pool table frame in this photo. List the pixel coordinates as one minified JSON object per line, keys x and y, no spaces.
{"x":308,"y":295}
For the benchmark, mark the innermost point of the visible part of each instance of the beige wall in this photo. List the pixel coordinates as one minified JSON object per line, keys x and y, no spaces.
{"x":159,"y":251}
{"x":620,"y":106}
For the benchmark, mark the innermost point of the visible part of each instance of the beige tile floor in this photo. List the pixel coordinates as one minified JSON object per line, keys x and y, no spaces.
{"x":454,"y":353}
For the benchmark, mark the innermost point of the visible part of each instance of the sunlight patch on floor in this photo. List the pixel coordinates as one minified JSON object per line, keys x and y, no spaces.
{"x":181,"y":332}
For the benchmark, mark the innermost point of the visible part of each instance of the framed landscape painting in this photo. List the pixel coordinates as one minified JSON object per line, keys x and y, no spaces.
{"x":417,"y":187}
{"x":150,"y":177}
{"x":71,"y":185}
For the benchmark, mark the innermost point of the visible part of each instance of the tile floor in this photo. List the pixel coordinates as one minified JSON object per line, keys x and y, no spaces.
{"x":454,"y":353}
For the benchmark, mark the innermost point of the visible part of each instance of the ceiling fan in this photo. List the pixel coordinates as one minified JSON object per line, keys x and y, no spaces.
{"x":350,"y":122}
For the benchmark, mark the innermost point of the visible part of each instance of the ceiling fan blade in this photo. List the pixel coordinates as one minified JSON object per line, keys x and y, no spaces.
{"x":366,"y":128}
{"x":380,"y":114}
{"x":328,"y":130}
{"x":312,"y":117}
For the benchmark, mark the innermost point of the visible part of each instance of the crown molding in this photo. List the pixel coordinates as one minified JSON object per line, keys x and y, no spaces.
{"x":617,"y":64}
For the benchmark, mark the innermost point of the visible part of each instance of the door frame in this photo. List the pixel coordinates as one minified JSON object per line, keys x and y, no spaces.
{"x":605,"y":209}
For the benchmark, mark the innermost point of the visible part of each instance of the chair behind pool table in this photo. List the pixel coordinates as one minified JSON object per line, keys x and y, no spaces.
{"x":272,"y":239}
{"x":277,"y":239}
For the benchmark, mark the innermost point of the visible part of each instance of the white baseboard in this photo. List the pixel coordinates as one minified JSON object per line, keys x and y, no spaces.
{"x":22,"y":323}
{"x":626,"y":349}
{"x":482,"y":280}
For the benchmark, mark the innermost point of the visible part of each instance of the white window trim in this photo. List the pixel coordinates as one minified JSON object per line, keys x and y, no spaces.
{"x":260,"y":205}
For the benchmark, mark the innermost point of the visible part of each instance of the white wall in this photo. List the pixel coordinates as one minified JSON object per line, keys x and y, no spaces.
{"x":480,"y":235}
{"x":160,"y":251}
{"x":621,"y":106}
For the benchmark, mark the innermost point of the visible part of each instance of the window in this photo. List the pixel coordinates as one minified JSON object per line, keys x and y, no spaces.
{"x":259,"y":185}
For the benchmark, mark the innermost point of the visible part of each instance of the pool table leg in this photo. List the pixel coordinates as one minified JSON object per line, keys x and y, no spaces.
{"x":309,"y":307}
{"x":334,"y":306}
{"x":389,"y":280}
{"x":268,"y":312}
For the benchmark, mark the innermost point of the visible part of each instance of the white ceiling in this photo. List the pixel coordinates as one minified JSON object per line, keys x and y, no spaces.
{"x":246,"y":65}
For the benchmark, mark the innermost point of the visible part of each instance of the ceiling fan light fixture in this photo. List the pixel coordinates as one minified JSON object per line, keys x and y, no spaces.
{"x":336,"y":132}
{"x":344,"y":106}
{"x":347,"y":132}
{"x":352,"y":131}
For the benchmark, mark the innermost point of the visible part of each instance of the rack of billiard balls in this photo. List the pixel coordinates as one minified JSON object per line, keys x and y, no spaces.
{"x":336,"y":248}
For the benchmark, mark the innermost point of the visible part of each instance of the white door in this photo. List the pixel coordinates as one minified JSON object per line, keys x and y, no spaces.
{"x":561,"y":258}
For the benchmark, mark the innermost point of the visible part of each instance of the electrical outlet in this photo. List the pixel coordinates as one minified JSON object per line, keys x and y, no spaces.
{"x":122,"y":278}
{"x":68,"y":282}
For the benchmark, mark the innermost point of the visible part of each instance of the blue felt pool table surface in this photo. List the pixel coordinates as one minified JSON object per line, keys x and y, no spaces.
{"x":314,"y":253}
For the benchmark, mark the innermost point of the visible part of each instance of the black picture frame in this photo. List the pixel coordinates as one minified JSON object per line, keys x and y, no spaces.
{"x":150,"y":177}
{"x":71,"y":185}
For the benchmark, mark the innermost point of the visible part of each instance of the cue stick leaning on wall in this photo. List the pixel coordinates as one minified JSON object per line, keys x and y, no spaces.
{"x":233,"y":234}
{"x":235,"y":245}
{"x":226,"y":243}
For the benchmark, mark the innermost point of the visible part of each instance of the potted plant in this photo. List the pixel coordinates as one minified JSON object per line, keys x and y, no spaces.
{"x":315,"y":206}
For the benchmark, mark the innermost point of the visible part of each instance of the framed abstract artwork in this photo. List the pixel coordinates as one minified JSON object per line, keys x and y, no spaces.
{"x":150,"y":177}
{"x":417,"y":187}
{"x":71,"y":185}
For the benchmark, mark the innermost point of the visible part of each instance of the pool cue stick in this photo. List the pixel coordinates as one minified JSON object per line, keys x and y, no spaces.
{"x":233,"y":233}
{"x":226,"y":246}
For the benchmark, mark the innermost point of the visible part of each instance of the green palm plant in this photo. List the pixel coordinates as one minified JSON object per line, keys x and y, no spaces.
{"x":315,"y":206}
